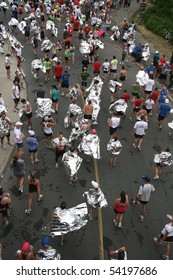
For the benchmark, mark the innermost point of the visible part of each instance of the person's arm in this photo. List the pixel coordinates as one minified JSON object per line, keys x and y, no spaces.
{"x":161,"y":239}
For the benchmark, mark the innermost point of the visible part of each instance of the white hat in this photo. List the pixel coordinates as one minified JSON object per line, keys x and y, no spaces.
{"x":166,"y":100}
{"x":95,"y":184}
{"x":31,"y":132}
{"x":19,"y":123}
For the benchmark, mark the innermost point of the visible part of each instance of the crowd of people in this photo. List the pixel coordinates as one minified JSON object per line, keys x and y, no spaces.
{"x":58,"y":32}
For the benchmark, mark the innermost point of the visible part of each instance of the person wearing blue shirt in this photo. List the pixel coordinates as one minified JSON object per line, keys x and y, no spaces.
{"x":32,"y":147}
{"x":164,"y":110}
{"x":151,"y":69}
{"x":65,"y":81}
{"x":136,"y":51}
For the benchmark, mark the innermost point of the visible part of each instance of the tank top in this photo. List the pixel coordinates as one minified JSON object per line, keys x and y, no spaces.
{"x":47,"y":130}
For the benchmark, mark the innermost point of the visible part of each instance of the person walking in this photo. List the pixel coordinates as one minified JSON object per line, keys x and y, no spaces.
{"x":65,"y":82}
{"x":18,"y":166}
{"x":88,"y":111}
{"x":5,"y":202}
{"x":60,"y":147}
{"x":164,"y":110}
{"x":16,"y":94}
{"x":166,"y":237}
{"x":114,"y":148}
{"x":113,"y":66}
{"x":162,"y":160}
{"x":139,"y":131}
{"x":47,"y":125}
{"x":120,"y":205}
{"x":5,"y":124}
{"x":105,"y":68}
{"x":32,"y":147}
{"x":27,"y":111}
{"x":18,"y":137}
{"x":54,"y":95}
{"x":143,"y":197}
{"x":113,"y":124}
{"x":34,"y":186}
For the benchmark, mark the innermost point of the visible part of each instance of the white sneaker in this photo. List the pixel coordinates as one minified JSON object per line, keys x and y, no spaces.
{"x":155,"y":240}
{"x":3,"y":147}
{"x":36,"y":160}
{"x":62,"y":93}
{"x":156,"y":177}
{"x":120,"y":225}
{"x":115,"y":222}
{"x":56,"y":165}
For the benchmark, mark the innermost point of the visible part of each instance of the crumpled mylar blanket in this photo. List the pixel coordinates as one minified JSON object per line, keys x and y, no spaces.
{"x":4,"y":32}
{"x":165,"y":159}
{"x":90,"y":145}
{"x":13,"y":22}
{"x":112,"y":85}
{"x":46,"y":45}
{"x":2,"y":48}
{"x":95,"y":86}
{"x":37,"y":64}
{"x":71,"y":162}
{"x":44,"y":107}
{"x":68,"y":220}
{"x":142,"y":77}
{"x":118,"y":106}
{"x":96,"y":106}
{"x":21,"y":26}
{"x":56,"y":142}
{"x":96,"y":198}
{"x":4,"y":5}
{"x":75,"y":134}
{"x":75,"y":110}
{"x":84,"y":47}
{"x":50,"y":25}
{"x":146,"y":53}
{"x":114,"y":147}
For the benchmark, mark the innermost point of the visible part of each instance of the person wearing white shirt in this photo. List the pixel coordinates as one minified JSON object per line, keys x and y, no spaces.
{"x":149,"y":86}
{"x":139,"y":131}
{"x":149,"y":103}
{"x":105,"y":68}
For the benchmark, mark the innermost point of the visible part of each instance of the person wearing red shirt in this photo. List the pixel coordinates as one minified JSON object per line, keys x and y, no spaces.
{"x":162,"y":61}
{"x":58,"y":72}
{"x":125,"y":96}
{"x":67,"y":42}
{"x":96,"y":66}
{"x":136,"y":107}
{"x":155,"y":95}
{"x":76,"y":26}
{"x":86,"y":30}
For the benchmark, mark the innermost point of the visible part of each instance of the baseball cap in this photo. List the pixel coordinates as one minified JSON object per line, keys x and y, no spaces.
{"x":31,"y":132}
{"x":166,"y":100}
{"x":95,"y":184}
{"x":19,"y":123}
{"x":93,"y":131}
{"x":45,"y":241}
{"x":25,"y":247}
{"x":146,"y":178}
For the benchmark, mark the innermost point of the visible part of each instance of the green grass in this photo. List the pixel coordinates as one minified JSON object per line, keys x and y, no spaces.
{"x":159,"y":16}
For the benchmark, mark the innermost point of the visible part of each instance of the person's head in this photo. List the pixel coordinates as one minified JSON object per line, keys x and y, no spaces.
{"x":18,"y":124}
{"x":71,"y":149}
{"x":63,"y":205}
{"x":31,"y":133}
{"x":114,"y":57}
{"x":33,"y":174}
{"x":142,"y":118}
{"x":3,"y":115}
{"x":167,"y":149}
{"x":23,"y":101}
{"x":40,"y":84}
{"x":45,"y":241}
{"x":123,"y":196}
{"x":60,"y":135}
{"x":146,"y":179}
{"x":89,"y":101}
{"x":25,"y":248}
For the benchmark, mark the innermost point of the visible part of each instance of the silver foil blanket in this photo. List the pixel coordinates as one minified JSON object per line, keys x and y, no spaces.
{"x":165,"y":159}
{"x":13,"y":41}
{"x":114,"y":147}
{"x":46,"y":45}
{"x":51,"y":27}
{"x":118,"y":106}
{"x":43,"y":107}
{"x":96,"y":198}
{"x":71,"y":162}
{"x":37,"y":64}
{"x":76,"y":111}
{"x":90,"y":145}
{"x":68,"y":220}
{"x":112,"y":85}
